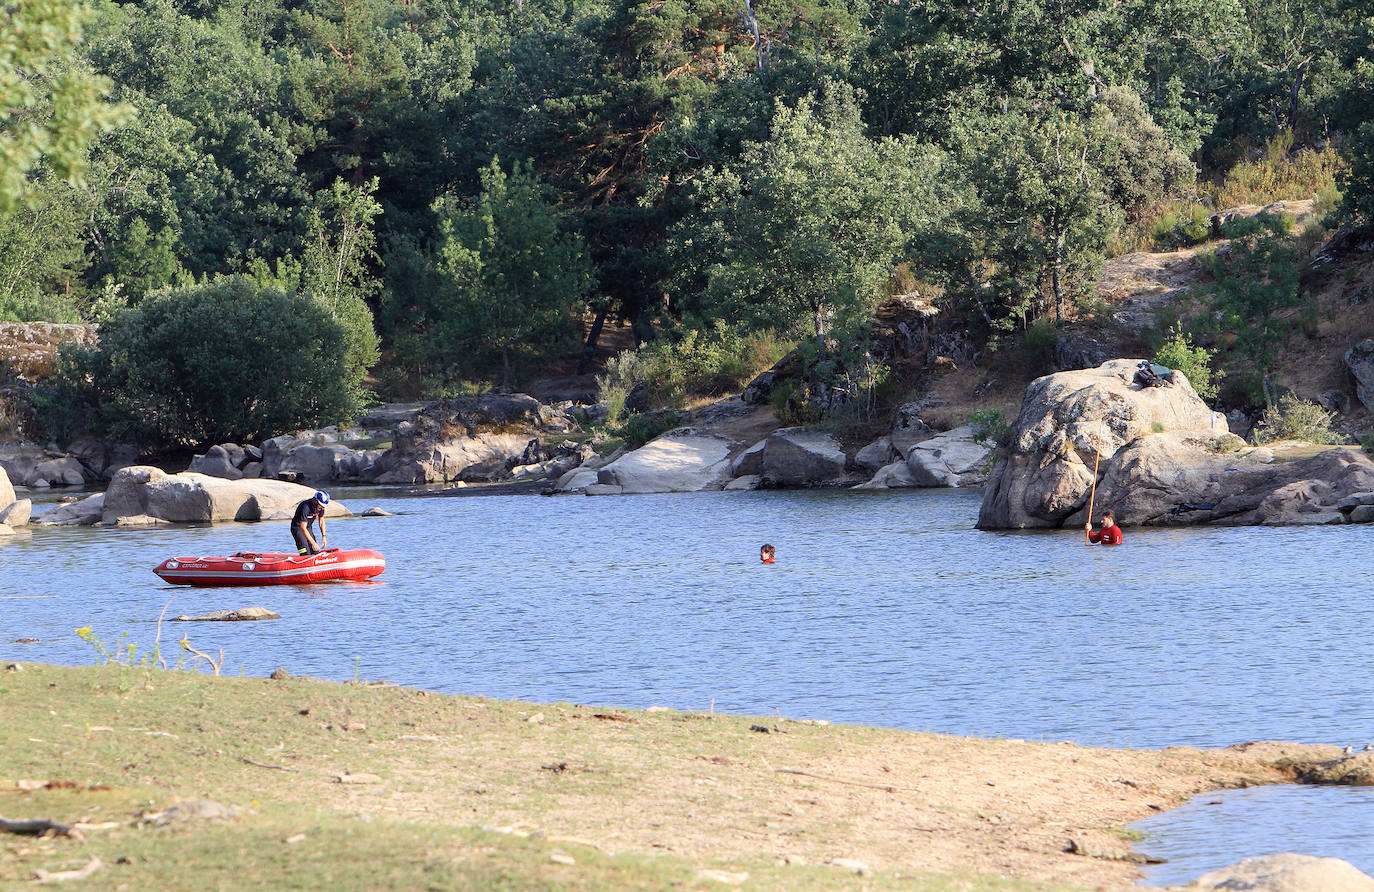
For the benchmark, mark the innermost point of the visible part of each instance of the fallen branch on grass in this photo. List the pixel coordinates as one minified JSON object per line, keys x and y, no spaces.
{"x":39,"y":827}
{"x":265,"y":765}
{"x":62,"y":876}
{"x":886,"y":788}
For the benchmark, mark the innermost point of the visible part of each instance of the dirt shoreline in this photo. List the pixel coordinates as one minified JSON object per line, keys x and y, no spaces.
{"x":768,"y":797}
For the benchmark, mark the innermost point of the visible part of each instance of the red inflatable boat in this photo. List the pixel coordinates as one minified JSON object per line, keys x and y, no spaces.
{"x":272,"y":569}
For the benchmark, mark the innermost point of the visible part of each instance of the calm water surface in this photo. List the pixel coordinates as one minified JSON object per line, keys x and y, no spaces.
{"x":1216,"y":830}
{"x":883,"y":608}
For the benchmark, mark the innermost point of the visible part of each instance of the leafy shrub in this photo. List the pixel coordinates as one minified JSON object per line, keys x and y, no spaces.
{"x":1280,"y":173}
{"x":712,"y":362}
{"x":1246,"y":227}
{"x":1182,"y":227}
{"x":640,"y":429}
{"x":1179,"y":353}
{"x":1296,"y":419}
{"x":622,"y":374}
{"x":1255,"y":281}
{"x":223,"y":361}
{"x":990,"y":426}
{"x":1226,"y":443}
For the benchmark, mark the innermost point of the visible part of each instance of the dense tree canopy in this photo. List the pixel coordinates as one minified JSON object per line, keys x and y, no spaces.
{"x":660,"y":163}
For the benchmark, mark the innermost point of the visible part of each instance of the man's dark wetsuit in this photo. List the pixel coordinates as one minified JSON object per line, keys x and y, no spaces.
{"x":307,"y":513}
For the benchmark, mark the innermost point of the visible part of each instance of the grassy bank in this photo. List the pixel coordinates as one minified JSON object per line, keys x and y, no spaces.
{"x":357,"y":786}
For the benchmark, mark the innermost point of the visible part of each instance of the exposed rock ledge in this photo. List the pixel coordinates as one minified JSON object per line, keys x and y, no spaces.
{"x":148,"y":495}
{"x":1165,"y":459}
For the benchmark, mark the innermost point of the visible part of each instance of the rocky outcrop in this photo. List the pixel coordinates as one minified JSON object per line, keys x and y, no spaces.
{"x":28,"y":350}
{"x":14,"y":511}
{"x":7,"y":496}
{"x":83,"y":512}
{"x":17,"y":513}
{"x":878,"y":454}
{"x":953,"y":458}
{"x":28,"y":464}
{"x":1165,"y":460}
{"x":1065,"y":419}
{"x":153,"y":495}
{"x":1360,"y":360}
{"x":683,"y":460}
{"x":1177,"y":479}
{"x":1287,"y":872}
{"x":892,"y":476}
{"x":795,"y":456}
{"x":472,"y":439}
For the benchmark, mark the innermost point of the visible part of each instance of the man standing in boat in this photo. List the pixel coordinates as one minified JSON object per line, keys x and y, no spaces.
{"x":307,"y":512}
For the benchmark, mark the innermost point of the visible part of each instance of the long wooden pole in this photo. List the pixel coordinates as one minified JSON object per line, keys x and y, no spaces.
{"x":1092,"y":495}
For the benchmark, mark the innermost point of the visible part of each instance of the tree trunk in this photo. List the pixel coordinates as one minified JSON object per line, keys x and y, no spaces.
{"x":1293,"y":98}
{"x":593,"y":336}
{"x":1056,"y":284}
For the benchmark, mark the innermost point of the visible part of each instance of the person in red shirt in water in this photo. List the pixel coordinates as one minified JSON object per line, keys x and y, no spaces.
{"x":1110,"y":534}
{"x":766,"y":554}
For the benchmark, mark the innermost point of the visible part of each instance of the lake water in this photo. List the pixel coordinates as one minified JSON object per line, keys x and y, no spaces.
{"x":884,"y":608}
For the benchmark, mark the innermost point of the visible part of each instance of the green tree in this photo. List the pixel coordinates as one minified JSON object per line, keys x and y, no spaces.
{"x":42,"y":252}
{"x":1046,"y":210}
{"x":1179,"y":352}
{"x":335,"y":266}
{"x":226,"y":361}
{"x":514,"y":275}
{"x":803,"y":233}
{"x":50,"y":110}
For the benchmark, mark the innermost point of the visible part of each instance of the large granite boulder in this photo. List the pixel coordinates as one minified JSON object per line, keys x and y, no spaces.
{"x":101,"y":459}
{"x":953,"y":458}
{"x":1180,"y":478}
{"x":198,"y":498}
{"x":795,"y":456}
{"x":84,"y":512}
{"x":322,"y":464}
{"x":16,"y":513}
{"x":1065,"y":419}
{"x":61,"y":471}
{"x":878,"y":454}
{"x":471,"y":439}
{"x":1287,"y":872}
{"x":682,"y":460}
{"x":219,"y":461}
{"x":7,"y":496}
{"x":1360,"y":360}
{"x":896,"y":475}
{"x":21,"y":460}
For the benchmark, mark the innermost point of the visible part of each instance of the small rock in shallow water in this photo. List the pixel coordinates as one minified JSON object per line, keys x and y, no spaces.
{"x":377,"y":512}
{"x":243,"y":614}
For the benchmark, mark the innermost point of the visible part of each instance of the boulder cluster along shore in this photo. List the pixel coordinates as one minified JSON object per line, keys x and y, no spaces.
{"x":1156,"y":455}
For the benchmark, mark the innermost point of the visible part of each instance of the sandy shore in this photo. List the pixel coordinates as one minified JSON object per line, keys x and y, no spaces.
{"x":782,"y":801}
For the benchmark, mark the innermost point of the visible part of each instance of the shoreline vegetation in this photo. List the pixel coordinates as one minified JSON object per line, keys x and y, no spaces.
{"x":153,"y":777}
